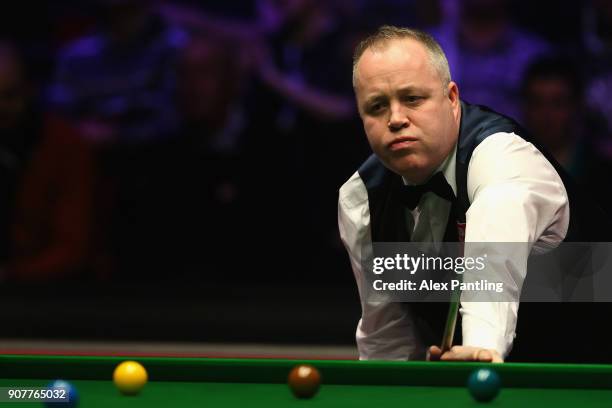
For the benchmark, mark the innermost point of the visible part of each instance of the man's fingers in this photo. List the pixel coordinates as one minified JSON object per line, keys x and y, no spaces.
{"x":434,"y":353}
{"x":483,"y":355}
{"x":460,"y":353}
{"x":463,"y":353}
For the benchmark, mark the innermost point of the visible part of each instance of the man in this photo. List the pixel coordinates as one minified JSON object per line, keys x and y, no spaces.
{"x":46,"y":176}
{"x":506,"y":189}
{"x":555,"y":114}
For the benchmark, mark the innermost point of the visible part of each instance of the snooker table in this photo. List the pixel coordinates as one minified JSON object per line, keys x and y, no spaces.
{"x":212,"y":382}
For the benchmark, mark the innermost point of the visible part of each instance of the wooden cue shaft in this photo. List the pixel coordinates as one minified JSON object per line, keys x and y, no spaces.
{"x":453,"y":312}
{"x":451,"y":322}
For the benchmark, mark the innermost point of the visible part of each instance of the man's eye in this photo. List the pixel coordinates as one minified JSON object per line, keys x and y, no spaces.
{"x":412,"y":98}
{"x":376,"y":107}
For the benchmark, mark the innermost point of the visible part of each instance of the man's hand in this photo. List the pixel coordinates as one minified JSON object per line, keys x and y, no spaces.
{"x":464,"y":353}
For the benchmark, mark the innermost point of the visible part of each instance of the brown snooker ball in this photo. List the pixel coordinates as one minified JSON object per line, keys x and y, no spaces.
{"x":304,"y":381}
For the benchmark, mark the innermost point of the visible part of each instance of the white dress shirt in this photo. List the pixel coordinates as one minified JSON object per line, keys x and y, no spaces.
{"x":515,"y":196}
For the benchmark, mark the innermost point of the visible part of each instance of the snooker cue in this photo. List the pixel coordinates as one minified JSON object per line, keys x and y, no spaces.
{"x":451,"y":322}
{"x":453,"y":308}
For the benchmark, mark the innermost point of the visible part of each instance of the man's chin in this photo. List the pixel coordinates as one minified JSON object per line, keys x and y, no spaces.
{"x":412,"y":172}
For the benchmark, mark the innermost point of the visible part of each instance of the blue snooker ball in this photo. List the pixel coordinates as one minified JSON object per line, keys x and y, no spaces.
{"x":73,"y":396}
{"x":484,"y":384}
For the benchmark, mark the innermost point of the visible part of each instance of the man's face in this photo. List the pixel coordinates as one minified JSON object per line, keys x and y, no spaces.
{"x":411,"y":123}
{"x":208,"y":82}
{"x":550,"y":111}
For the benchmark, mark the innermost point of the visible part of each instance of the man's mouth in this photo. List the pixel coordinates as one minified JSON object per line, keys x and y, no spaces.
{"x":402,"y":143}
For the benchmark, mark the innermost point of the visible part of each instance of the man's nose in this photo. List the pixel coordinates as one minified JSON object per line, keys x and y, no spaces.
{"x":398,"y":118}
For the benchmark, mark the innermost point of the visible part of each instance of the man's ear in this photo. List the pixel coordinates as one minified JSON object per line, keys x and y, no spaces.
{"x":453,"y":97}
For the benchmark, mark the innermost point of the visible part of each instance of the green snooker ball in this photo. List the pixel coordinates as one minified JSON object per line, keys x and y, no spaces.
{"x":484,"y":384}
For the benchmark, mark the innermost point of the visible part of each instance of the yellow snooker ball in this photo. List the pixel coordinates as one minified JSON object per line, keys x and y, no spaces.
{"x":129,"y":377}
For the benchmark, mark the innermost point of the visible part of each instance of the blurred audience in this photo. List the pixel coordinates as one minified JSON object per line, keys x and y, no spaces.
{"x":488,"y":53}
{"x":194,"y":127}
{"x":210,"y":94}
{"x":303,"y":73}
{"x":119,"y":86}
{"x":119,"y":83}
{"x":211,"y":207}
{"x":46,"y":170}
{"x":283,"y":82}
{"x":554,"y":111}
{"x":597,"y":62}
{"x":303,"y":58}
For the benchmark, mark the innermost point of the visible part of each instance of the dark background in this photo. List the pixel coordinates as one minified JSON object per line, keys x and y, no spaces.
{"x":169,"y":170}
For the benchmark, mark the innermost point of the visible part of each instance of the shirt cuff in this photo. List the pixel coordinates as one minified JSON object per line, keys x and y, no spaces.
{"x":488,"y":338}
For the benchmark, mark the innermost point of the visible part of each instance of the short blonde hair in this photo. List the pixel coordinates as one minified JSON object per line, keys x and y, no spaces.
{"x":386,"y":33}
